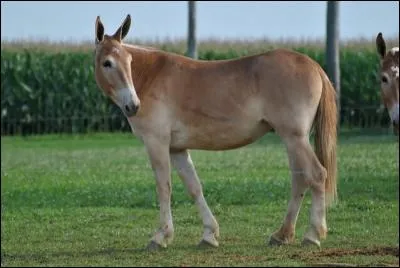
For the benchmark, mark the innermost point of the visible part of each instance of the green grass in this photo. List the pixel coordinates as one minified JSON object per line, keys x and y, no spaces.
{"x":91,"y":201}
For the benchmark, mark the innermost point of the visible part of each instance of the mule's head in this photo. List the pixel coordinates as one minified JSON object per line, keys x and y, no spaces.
{"x":113,"y":67}
{"x":389,"y":73}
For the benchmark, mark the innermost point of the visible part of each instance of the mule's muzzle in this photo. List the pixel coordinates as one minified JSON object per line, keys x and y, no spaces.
{"x":130,"y":109}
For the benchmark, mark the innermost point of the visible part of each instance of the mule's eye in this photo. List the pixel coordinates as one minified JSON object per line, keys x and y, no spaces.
{"x":384,"y":79}
{"x":107,"y":64}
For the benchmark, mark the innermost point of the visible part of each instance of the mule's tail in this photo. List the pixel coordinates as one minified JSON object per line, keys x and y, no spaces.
{"x":326,"y":136}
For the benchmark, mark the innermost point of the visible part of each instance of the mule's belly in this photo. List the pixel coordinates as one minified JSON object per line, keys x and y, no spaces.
{"x":217,"y":136}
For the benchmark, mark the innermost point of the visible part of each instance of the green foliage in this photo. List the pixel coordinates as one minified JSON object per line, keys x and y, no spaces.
{"x":47,"y":92}
{"x":52,"y":90}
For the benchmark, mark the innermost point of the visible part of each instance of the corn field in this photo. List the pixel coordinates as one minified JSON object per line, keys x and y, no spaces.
{"x":45,"y":91}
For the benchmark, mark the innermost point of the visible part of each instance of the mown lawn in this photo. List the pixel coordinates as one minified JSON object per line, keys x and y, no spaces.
{"x":91,"y":201}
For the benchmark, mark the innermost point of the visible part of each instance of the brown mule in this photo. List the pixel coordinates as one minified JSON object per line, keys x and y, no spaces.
{"x":174,"y":103}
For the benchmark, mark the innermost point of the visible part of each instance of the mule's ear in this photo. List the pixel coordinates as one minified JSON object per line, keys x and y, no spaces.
{"x":123,"y":29}
{"x":99,"y":30}
{"x":380,"y":45}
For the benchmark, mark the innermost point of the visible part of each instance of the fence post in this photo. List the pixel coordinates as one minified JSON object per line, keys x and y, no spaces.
{"x":332,"y":49}
{"x":192,"y":50}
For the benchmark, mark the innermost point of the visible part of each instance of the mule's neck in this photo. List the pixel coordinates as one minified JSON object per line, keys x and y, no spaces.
{"x":145,"y":66}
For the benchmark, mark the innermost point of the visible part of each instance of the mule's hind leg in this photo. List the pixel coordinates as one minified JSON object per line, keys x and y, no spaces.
{"x":183,"y":163}
{"x":318,"y":228}
{"x":306,"y":172}
{"x":285,"y":235}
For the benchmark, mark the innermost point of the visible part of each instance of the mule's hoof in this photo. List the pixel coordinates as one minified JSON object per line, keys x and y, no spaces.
{"x":309,"y":243}
{"x":153,"y":246}
{"x":206,"y":244}
{"x":273,"y":242}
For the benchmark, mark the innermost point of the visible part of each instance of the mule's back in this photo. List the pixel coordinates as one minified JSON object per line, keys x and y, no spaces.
{"x":231,"y":103}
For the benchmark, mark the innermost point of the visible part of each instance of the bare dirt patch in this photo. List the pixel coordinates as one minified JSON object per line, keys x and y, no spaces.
{"x":338,"y":252}
{"x":314,"y":256}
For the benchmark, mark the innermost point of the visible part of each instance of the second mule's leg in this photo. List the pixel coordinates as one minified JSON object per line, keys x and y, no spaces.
{"x":306,"y":172}
{"x":185,"y":168}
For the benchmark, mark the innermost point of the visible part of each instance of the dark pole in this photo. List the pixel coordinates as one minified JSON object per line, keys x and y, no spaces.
{"x":332,"y":48}
{"x":192,"y":50}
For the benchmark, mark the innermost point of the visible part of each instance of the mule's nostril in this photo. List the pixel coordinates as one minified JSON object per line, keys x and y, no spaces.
{"x":131,"y":109}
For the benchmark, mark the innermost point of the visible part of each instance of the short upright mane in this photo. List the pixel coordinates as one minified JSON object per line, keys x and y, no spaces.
{"x":140,"y":47}
{"x":184,"y":58}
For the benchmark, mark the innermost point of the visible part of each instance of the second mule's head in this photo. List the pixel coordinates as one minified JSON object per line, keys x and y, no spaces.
{"x":389,"y":76}
{"x":113,"y":67}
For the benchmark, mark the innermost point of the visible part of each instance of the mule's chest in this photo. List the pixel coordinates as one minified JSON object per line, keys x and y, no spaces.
{"x":136,"y":131}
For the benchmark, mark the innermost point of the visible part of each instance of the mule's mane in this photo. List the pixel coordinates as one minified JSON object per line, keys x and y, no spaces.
{"x":145,"y":48}
{"x":184,"y":58}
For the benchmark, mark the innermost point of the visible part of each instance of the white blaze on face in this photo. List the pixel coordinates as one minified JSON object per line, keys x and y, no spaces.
{"x":394,"y":50}
{"x":395,"y":70}
{"x":114,"y":49}
{"x":394,"y":113}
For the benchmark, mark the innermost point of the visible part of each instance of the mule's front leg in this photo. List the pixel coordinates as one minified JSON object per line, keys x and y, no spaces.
{"x":185,"y":168}
{"x":160,"y":163}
